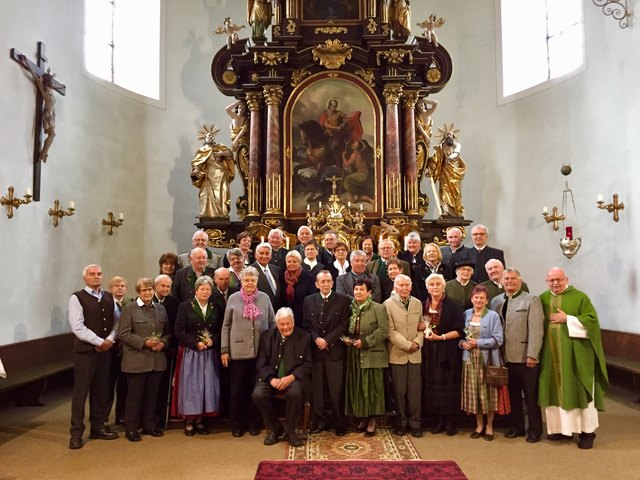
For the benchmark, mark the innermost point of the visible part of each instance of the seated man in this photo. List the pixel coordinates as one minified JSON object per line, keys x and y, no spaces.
{"x":283,"y":365}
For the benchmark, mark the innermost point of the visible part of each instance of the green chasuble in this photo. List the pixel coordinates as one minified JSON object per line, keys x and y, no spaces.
{"x":571,"y":368}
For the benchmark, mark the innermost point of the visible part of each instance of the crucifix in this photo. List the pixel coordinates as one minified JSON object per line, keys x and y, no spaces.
{"x":45,"y":115}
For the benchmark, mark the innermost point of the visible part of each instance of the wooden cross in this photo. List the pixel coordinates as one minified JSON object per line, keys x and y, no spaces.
{"x":45,"y":108}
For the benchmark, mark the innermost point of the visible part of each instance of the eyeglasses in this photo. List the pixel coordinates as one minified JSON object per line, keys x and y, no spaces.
{"x":556,"y":280}
{"x":478,"y":234}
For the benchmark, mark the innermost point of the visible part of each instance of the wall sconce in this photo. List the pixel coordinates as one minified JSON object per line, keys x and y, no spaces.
{"x":553,"y":217}
{"x":11,"y":202}
{"x":57,"y":213}
{"x":611,"y":207}
{"x":112,"y":223}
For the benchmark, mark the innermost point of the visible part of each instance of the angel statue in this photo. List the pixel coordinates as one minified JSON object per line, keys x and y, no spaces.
{"x":447,"y":168}
{"x":429,"y":26}
{"x":230,"y":29}
{"x":212,"y":171}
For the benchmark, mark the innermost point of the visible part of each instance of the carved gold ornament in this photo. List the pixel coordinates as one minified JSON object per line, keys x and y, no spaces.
{"x":271,"y":58}
{"x":229,"y":77}
{"x":330,"y":30}
{"x":291,"y":27}
{"x":433,"y":75}
{"x":394,"y":56}
{"x":298,"y":75}
{"x":333,"y":54}
{"x":367,"y":76}
{"x":372,"y":26}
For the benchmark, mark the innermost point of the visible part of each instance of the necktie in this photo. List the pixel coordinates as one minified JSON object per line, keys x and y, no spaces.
{"x":270,"y":279}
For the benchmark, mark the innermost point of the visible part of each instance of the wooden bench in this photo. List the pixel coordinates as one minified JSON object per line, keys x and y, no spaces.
{"x":30,"y":364}
{"x":622,"y":353}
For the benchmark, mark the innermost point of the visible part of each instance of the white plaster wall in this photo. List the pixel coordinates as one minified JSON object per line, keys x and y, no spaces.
{"x":114,"y":153}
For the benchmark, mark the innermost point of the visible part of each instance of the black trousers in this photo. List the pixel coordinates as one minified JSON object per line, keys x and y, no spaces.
{"x":117,"y":389}
{"x":142,"y":398}
{"x":242,"y":379}
{"x":524,"y":380}
{"x":90,"y":378}
{"x":328,"y":383}
{"x":294,"y":397}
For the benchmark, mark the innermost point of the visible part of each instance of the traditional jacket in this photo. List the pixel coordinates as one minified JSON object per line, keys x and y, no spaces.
{"x":572,"y":370}
{"x":403,"y":330}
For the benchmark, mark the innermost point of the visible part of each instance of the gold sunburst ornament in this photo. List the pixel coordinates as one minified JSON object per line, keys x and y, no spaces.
{"x":449,"y":130}
{"x":205,"y":130}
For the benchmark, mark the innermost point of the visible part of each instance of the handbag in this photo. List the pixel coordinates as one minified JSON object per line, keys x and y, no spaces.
{"x":497,"y":375}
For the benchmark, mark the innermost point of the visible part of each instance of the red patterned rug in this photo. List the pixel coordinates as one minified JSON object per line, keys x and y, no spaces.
{"x":355,"y":446}
{"x":358,"y":470}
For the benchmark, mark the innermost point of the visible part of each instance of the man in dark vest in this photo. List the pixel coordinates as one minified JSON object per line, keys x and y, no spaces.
{"x":93,"y":317}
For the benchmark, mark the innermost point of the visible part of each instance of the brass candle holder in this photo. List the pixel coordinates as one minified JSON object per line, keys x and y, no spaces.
{"x":12,"y":202}
{"x":57,"y":213}
{"x":553,"y":217}
{"x":111,"y":222}
{"x":614,"y":207}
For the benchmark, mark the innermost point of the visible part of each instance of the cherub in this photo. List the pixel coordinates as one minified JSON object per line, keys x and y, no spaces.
{"x":429,"y":26}
{"x":230,"y":29}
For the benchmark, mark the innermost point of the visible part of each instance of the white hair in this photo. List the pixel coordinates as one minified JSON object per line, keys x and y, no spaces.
{"x":284,"y":312}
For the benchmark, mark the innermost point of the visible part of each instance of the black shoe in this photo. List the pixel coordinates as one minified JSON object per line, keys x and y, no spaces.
{"x":271,"y":438}
{"x":341,"y":431}
{"x":400,"y":431}
{"x":533,"y":438}
{"x":439,"y":428}
{"x":514,"y":434}
{"x":237,"y":432}
{"x":154,"y":432}
{"x":451,"y":428}
{"x":133,"y":436}
{"x":586,"y":441}
{"x":75,"y":443}
{"x":416,"y":432}
{"x":102,"y":434}
{"x":201,"y":429}
{"x":254,"y":430}
{"x":362,"y":426}
{"x":189,"y":431}
{"x":294,"y":440}
{"x":476,"y":434}
{"x":319,"y":427}
{"x":488,"y":437}
{"x":370,"y":433}
{"x":556,"y":437}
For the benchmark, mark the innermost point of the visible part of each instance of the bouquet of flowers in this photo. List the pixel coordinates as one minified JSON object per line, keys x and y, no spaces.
{"x":205,"y":337}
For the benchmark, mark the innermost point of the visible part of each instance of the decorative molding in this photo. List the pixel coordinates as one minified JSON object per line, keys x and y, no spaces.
{"x":333,"y":54}
{"x":367,"y":75}
{"x":394,"y":55}
{"x":298,"y":75}
{"x":331,"y":30}
{"x":372,"y":26}
{"x":217,"y":239}
{"x":291,"y":27}
{"x":619,"y":10}
{"x":271,"y":58}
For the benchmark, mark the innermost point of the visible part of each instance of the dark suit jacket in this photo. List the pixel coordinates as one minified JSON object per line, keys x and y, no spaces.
{"x":305,"y":286}
{"x":418,"y":287}
{"x":184,"y":283}
{"x":345,"y":284}
{"x":263,"y":284}
{"x":408,"y":257}
{"x":450,"y":259}
{"x":277,"y":257}
{"x":375,"y":264}
{"x":481,"y":257}
{"x":219,"y":301}
{"x":315,"y":270}
{"x":297,"y":355}
{"x":327,"y":321}
{"x":170,"y":304}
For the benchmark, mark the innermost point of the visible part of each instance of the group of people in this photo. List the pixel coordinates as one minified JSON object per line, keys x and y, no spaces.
{"x":358,"y":334}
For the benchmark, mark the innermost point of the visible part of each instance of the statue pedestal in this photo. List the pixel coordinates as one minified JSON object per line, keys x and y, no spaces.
{"x":436,"y":230}
{"x":222,"y":231}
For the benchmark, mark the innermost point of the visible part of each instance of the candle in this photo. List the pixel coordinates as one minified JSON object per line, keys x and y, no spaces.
{"x":379,"y":239}
{"x":28,"y":192}
{"x":261,"y":238}
{"x":600,"y":198}
{"x":72,"y":205}
{"x":319,"y":204}
{"x":569,"y":233}
{"x":349,"y":204}
{"x":308,"y":207}
{"x":286,"y":241}
{"x":360,"y":207}
{"x":545,"y":210}
{"x":120,"y":216}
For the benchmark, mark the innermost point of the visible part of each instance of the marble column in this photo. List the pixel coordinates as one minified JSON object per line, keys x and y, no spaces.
{"x":393,"y":195}
{"x":273,"y":98}
{"x":411,"y":181}
{"x":254,"y":188}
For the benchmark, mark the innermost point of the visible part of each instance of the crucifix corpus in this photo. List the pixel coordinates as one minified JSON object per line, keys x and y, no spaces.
{"x":45,"y":117}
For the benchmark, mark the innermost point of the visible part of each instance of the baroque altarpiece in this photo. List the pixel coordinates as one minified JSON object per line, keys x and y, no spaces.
{"x":329,"y":133}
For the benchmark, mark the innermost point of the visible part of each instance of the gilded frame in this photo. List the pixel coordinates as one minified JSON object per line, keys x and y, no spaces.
{"x":306,"y":104}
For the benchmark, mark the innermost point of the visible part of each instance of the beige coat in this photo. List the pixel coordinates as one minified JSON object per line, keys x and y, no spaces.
{"x":403,"y":330}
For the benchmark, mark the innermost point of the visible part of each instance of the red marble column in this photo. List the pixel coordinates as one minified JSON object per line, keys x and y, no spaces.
{"x":254,"y":188}
{"x":392,"y":94}
{"x":273,"y":98}
{"x":411,"y":181}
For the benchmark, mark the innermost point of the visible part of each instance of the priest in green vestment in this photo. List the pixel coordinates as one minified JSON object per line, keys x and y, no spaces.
{"x":573,"y":375}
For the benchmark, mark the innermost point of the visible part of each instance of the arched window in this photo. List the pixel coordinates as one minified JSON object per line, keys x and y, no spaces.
{"x":123,"y":43}
{"x":540,"y":41}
